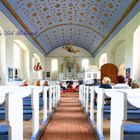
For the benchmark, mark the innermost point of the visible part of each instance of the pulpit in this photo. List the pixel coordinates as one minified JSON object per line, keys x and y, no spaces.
{"x":109,"y":70}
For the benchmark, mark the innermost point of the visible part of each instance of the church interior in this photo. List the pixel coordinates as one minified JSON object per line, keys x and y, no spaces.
{"x":69,"y":70}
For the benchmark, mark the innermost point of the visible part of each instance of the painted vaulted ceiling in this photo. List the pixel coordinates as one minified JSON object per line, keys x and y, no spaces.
{"x":84,"y":23}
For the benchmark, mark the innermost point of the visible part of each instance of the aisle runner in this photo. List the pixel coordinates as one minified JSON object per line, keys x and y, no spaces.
{"x":69,"y":121}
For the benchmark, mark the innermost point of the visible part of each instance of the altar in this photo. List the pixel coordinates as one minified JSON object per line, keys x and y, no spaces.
{"x":70,"y":69}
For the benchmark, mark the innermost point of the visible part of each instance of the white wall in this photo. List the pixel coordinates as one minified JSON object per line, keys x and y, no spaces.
{"x":118,"y":53}
{"x":60,"y":54}
{"x":136,"y":54}
{"x":6,"y":25}
{"x":122,"y":44}
{"x":2,"y":57}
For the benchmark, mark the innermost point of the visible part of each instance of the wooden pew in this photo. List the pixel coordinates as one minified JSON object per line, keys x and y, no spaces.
{"x":102,"y":93}
{"x":81,"y":94}
{"x":100,"y":105}
{"x":16,"y":94}
{"x":118,"y":123}
{"x":86,"y":97}
{"x":45,"y":106}
{"x":54,"y":98}
{"x":22,"y":92}
{"x":15,"y":120}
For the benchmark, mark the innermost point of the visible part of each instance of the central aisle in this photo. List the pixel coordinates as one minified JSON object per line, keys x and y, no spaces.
{"x":69,"y":121}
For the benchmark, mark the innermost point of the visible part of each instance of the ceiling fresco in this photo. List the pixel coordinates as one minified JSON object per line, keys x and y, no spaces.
{"x":84,"y":23}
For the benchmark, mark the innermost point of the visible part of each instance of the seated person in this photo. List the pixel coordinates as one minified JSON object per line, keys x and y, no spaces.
{"x":129,"y":82}
{"x":81,"y":82}
{"x":106,"y":83}
{"x":24,"y":83}
{"x":89,"y":82}
{"x":37,"y":83}
{"x":120,"y":79}
{"x":92,"y":82}
{"x":45,"y":83}
{"x":96,"y":83}
{"x":121,"y":83}
{"x":77,"y":88}
{"x":63,"y":85}
{"x":69,"y":86}
{"x":134,"y":84}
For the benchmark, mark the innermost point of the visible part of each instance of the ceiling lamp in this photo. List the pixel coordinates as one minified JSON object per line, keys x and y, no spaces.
{"x":37,"y":67}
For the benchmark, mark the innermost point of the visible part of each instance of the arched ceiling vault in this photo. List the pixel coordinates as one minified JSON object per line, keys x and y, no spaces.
{"x":55,"y":23}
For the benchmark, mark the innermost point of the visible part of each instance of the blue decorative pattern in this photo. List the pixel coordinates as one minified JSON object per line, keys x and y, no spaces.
{"x":84,"y":23}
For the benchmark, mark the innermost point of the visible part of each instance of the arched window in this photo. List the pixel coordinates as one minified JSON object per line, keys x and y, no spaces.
{"x":136,"y":56}
{"x":103,"y":59}
{"x":85,"y":64}
{"x":54,"y":65}
{"x":17,"y":56}
{"x":54,"y":69}
{"x":20,"y":60}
